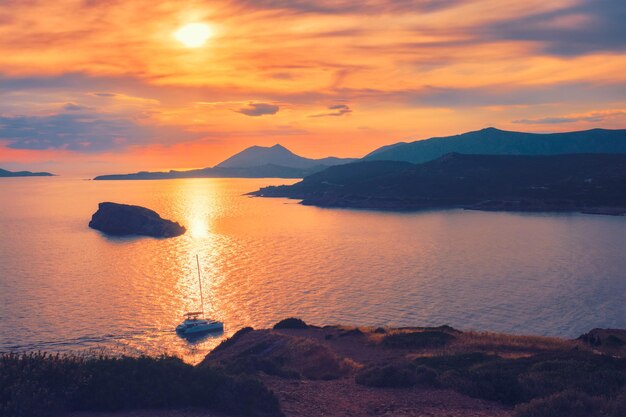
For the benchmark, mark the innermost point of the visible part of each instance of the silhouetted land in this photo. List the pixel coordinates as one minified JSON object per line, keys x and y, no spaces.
{"x":300,"y":370}
{"x":253,"y":162}
{"x":594,"y":183}
{"x":124,"y":220}
{"x":492,"y":141}
{"x":5,"y":173}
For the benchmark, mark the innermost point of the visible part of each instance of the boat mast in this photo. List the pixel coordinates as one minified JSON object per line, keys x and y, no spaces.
{"x":200,"y":282}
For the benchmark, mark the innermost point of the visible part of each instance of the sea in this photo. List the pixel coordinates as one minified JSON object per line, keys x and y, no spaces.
{"x":67,"y":288}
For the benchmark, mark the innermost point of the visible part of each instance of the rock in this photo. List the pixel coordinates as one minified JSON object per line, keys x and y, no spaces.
{"x":291,"y":323}
{"x":605,"y":338}
{"x":122,"y":220}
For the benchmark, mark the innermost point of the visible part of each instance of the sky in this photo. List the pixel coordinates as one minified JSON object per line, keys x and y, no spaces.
{"x":94,"y":87}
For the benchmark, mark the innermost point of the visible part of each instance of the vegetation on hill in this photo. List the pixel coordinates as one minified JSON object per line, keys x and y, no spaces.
{"x":492,"y":141}
{"x":42,"y":385}
{"x":582,"y":182}
{"x":523,"y":376}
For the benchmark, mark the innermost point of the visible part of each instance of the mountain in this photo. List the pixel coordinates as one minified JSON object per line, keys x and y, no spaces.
{"x":264,"y":171}
{"x":492,"y":141}
{"x":254,"y":162}
{"x":256,"y":156}
{"x":576,"y":182}
{"x":5,"y":173}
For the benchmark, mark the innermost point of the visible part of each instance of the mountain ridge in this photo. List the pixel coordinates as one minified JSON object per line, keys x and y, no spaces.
{"x":276,"y":155}
{"x":493,"y":141}
{"x":253,"y":162}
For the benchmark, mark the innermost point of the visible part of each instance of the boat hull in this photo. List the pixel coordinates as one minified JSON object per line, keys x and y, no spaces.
{"x":199,"y":328}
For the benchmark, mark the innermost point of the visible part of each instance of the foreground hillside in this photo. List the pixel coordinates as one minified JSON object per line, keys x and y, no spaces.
{"x":299,"y":370}
{"x":492,"y":141}
{"x":581,"y":182}
{"x":432,"y":371}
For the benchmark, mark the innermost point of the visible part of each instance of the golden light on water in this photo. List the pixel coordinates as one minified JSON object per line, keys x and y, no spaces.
{"x":199,"y":228}
{"x":194,"y":35}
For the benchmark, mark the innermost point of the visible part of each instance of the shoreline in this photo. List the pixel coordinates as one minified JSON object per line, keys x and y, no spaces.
{"x":486,"y":206}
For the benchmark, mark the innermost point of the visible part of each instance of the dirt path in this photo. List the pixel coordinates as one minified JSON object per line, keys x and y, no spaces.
{"x":345,"y":398}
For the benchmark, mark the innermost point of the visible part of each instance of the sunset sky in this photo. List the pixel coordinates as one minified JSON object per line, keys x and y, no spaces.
{"x":92,"y":87}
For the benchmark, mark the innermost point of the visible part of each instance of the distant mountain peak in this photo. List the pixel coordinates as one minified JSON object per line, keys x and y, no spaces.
{"x":256,"y":156}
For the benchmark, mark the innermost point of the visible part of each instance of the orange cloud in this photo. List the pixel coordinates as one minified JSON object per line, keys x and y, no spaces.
{"x":409,"y":68}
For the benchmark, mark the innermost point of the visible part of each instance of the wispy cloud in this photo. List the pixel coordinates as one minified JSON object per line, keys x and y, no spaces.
{"x":259,"y":109}
{"x":73,"y":107}
{"x":83,"y":132}
{"x":336,"y":110}
{"x":440,"y":66}
{"x":594,"y":117}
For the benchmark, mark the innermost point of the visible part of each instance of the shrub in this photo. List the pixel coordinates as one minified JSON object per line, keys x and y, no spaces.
{"x":291,"y":323}
{"x":566,"y":404}
{"x":401,"y":374}
{"x":352,"y":332}
{"x":417,"y":340}
{"x":514,"y":381}
{"x":388,"y":376}
{"x":459,"y":361}
{"x":40,"y":385}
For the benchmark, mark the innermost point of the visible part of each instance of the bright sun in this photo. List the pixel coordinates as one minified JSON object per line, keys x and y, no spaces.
{"x":193,"y":35}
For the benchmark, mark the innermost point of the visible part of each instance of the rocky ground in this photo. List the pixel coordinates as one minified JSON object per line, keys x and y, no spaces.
{"x":334,"y":370}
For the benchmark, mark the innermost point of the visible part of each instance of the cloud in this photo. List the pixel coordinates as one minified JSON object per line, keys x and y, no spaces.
{"x":581,"y":28}
{"x":73,"y":107}
{"x":259,"y":109}
{"x":512,"y":95}
{"x":594,"y":117}
{"x":351,"y":6}
{"x":82,"y":132}
{"x":337,"y":110}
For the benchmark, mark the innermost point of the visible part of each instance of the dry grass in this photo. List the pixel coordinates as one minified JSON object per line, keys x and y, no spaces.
{"x":275,"y":353}
{"x":498,"y":343}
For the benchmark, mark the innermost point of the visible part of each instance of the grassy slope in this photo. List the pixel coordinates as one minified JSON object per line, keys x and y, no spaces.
{"x":337,"y":370}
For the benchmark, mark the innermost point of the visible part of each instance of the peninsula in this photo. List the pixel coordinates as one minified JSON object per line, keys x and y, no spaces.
{"x":593,"y":183}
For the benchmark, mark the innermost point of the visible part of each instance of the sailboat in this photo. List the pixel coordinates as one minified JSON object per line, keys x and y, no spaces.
{"x":195,"y":323}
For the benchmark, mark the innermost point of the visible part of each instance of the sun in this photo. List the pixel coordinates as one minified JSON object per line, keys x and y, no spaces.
{"x":193,"y":35}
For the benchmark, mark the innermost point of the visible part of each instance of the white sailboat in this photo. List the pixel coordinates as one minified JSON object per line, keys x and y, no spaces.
{"x":195,"y":323}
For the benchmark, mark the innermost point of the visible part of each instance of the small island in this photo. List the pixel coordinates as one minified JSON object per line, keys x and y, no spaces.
{"x":125,"y":220}
{"x":5,"y":173}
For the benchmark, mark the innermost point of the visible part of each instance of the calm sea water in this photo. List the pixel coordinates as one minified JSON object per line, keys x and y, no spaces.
{"x":65,"y":287}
